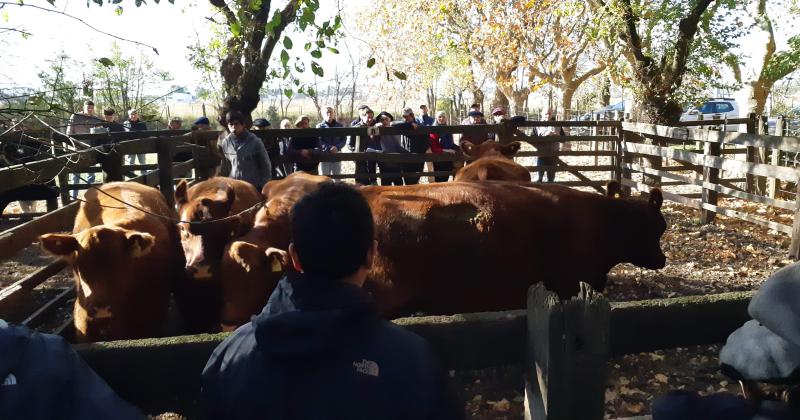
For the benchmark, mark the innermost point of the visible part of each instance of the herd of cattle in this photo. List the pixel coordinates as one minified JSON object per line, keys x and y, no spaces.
{"x":472,"y":245}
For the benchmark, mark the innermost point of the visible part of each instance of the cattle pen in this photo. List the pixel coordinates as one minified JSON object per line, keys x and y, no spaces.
{"x":749,"y":166}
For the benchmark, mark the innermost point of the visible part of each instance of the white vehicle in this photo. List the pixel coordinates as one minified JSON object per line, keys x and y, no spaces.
{"x":718,"y":108}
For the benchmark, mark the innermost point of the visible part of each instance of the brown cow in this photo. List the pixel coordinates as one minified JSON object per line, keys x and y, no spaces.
{"x":123,"y":260}
{"x":253,"y":264}
{"x":478,"y":246}
{"x":493,"y":161}
{"x":212,"y":212}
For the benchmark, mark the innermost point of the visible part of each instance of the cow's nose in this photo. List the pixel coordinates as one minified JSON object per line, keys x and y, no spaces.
{"x":202,"y":271}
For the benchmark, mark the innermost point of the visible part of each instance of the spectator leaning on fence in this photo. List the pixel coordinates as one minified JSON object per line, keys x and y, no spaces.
{"x":280,"y":168}
{"x":175,"y":123}
{"x":320,"y":349}
{"x":82,"y":123}
{"x":366,"y":118}
{"x":549,"y":147}
{"x":244,"y":155}
{"x":303,"y":149}
{"x":475,"y":118}
{"x":133,"y":123}
{"x":202,"y":124}
{"x":442,"y":143}
{"x":389,"y":143}
{"x":111,"y":121}
{"x":331,"y":144}
{"x":424,"y":118}
{"x":261,"y":124}
{"x":414,"y":143}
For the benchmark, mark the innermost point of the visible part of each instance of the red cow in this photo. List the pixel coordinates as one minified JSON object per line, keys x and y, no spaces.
{"x":493,"y":161}
{"x":220,"y":206}
{"x":467,"y":247}
{"x":123,"y":260}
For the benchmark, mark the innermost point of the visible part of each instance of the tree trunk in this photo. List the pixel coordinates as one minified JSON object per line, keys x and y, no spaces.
{"x":567,"y":94}
{"x":605,"y":92}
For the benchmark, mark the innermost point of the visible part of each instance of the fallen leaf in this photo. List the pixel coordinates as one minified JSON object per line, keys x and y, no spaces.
{"x":660,"y":377}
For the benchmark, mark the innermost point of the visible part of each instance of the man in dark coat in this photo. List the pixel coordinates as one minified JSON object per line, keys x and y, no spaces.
{"x":319,"y":349}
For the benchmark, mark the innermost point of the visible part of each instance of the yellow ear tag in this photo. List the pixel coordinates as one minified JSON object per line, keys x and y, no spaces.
{"x":276,"y":266}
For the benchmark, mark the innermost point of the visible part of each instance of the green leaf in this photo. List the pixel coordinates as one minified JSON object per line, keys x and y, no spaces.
{"x":106,"y":62}
{"x":284,"y":58}
{"x":20,"y":2}
{"x":4,"y":15}
{"x":52,"y":2}
{"x":333,"y":50}
{"x":311,"y":92}
{"x":288,"y":93}
{"x":138,"y":2}
{"x":370,"y":62}
{"x":400,"y":75}
{"x":317,"y":69}
{"x":118,"y":10}
{"x":273,"y":23}
{"x":299,"y":67}
{"x":236,"y":29}
{"x":316,"y":54}
{"x":307,"y":46}
{"x":116,"y":1}
{"x":287,"y":43}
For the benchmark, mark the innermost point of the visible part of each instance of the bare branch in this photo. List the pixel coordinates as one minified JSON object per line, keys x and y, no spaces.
{"x":223,"y":7}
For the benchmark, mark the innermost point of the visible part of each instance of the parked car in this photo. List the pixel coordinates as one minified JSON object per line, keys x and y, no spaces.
{"x":717,"y":108}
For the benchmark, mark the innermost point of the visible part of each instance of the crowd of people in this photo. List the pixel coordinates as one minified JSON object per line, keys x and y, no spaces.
{"x":243,"y":157}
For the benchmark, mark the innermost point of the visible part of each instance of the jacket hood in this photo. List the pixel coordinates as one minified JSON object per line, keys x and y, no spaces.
{"x":308,"y":316}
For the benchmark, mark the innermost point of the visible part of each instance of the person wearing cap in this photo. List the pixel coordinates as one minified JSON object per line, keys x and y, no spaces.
{"x":424,"y":118}
{"x":260,"y":124}
{"x":244,"y":155}
{"x":389,"y":143}
{"x":475,"y":118}
{"x":360,"y":144}
{"x":413,"y":143}
{"x":442,"y":143}
{"x":202,"y":124}
{"x":303,"y":149}
{"x":175,"y":123}
{"x":133,"y":123}
{"x":548,"y":147}
{"x":468,"y":120}
{"x":82,"y":123}
{"x":331,"y":144}
{"x":111,"y":121}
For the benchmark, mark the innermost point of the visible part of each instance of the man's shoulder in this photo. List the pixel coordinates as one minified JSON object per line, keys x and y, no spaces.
{"x":404,"y":341}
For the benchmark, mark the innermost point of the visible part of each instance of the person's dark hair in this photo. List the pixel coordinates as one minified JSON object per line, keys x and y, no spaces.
{"x":234,"y":116}
{"x":88,"y":103}
{"x":474,"y":106}
{"x":382,"y":114}
{"x":332,"y":231}
{"x":109,"y":111}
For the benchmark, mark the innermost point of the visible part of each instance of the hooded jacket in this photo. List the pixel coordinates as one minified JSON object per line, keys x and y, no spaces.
{"x":319,"y":350}
{"x":41,"y":377}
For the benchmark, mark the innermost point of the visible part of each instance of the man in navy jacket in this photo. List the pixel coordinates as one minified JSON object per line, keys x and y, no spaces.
{"x":319,"y":349}
{"x":331,"y":144}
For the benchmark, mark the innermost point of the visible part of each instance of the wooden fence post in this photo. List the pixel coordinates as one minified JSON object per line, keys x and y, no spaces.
{"x":751,"y":154}
{"x":201,"y":155}
{"x":165,"y":182}
{"x":567,"y":352}
{"x":710,"y":175}
{"x":775,"y":160}
{"x":625,"y":158}
{"x":111,"y":162}
{"x":794,"y":248}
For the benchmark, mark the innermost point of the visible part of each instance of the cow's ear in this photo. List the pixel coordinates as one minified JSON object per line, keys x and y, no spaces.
{"x":181,"y":195}
{"x":139,"y":243}
{"x":278,"y":259}
{"x":510,"y":149}
{"x":613,"y":189}
{"x":265,"y":189}
{"x":656,"y":198}
{"x":245,"y":254}
{"x":468,"y":148}
{"x":60,"y":244}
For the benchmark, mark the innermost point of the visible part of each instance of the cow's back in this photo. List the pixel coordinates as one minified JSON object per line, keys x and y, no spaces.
{"x":493,"y":168}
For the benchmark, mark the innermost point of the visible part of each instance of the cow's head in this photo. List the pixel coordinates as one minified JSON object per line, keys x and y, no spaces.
{"x":490,"y":148}
{"x":102,"y":258}
{"x":206,"y":225}
{"x":282,"y":194}
{"x":643,"y":226}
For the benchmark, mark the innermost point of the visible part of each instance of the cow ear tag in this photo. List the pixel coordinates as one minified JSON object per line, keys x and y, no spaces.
{"x":276,"y":265}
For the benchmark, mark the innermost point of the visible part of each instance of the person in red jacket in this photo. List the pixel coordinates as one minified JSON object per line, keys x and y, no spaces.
{"x":442,"y":143}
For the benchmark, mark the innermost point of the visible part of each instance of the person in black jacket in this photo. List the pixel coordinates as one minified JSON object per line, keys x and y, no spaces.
{"x":319,"y":349}
{"x":414,"y":143}
{"x":304,"y":149}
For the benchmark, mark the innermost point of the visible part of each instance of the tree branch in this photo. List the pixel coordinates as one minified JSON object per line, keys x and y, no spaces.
{"x":288,"y":15}
{"x":223,"y":7}
{"x":687,"y":28}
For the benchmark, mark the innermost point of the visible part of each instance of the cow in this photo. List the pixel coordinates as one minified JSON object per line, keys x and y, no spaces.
{"x":253,"y":264}
{"x":492,"y":161}
{"x":124,"y":253}
{"x":477,"y":246}
{"x":211,"y":213}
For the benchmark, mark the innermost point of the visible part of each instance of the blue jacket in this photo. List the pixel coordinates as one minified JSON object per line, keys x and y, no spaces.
{"x":319,"y":350}
{"x":327,"y":142}
{"x":41,"y":377}
{"x":425,"y":120}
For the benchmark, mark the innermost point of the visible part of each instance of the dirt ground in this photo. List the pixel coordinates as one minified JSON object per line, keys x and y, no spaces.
{"x":728,"y":255}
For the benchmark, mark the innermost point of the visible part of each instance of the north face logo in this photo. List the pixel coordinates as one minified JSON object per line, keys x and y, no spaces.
{"x":367,"y":367}
{"x":10,"y":380}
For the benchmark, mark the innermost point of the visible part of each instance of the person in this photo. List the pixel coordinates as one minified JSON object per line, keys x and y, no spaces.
{"x":548,"y":147}
{"x":424,"y":118}
{"x":331,"y":144}
{"x":442,"y":143}
{"x":260,"y":124}
{"x":389,"y":143}
{"x":366,"y":118}
{"x":41,"y":377}
{"x":319,"y":349}
{"x":82,"y":123}
{"x":175,"y":123}
{"x":469,"y":119}
{"x":202,"y":123}
{"x":475,"y":118}
{"x":303,"y":149}
{"x":280,"y":168}
{"x":244,"y":155}
{"x":413,"y":143}
{"x":133,"y":123}
{"x":111,"y":121}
